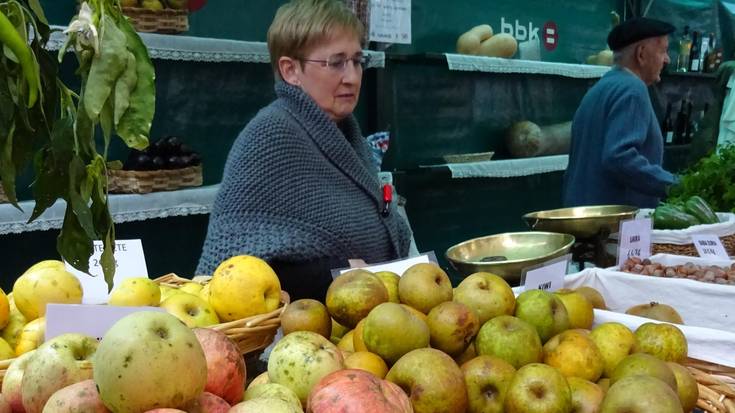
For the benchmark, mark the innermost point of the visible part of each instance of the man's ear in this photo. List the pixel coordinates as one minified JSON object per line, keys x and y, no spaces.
{"x":289,"y":69}
{"x":640,"y":52}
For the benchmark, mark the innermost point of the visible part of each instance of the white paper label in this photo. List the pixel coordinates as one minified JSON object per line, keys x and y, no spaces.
{"x":548,"y":277}
{"x":709,"y":246}
{"x":635,"y":239}
{"x":130,"y":262}
{"x":390,"y":21}
{"x":92,"y":320}
{"x":398,"y":267}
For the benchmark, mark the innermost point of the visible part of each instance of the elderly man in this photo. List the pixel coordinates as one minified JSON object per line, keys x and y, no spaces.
{"x":617,"y":149}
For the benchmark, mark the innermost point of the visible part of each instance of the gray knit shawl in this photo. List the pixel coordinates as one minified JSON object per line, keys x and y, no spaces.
{"x":298,"y":186}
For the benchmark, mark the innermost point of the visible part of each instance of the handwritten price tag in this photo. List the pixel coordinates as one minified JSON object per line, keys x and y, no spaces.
{"x":130,"y":261}
{"x":635,"y":239}
{"x":709,"y":246}
{"x":549,"y":276}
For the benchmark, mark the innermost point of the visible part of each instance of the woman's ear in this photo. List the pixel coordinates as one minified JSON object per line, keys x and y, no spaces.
{"x":290,"y":70}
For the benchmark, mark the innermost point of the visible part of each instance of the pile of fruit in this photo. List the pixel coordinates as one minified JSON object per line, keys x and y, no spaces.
{"x":694,"y":211}
{"x":384,"y":343}
{"x":165,"y":153}
{"x":691,"y":271}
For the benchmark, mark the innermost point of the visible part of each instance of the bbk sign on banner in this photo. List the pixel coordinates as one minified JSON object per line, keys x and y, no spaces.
{"x":523,"y":32}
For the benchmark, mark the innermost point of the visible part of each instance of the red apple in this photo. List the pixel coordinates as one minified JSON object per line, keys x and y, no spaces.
{"x":357,"y":391}
{"x":12,"y":381}
{"x":208,"y":403}
{"x":225,"y":365}
{"x":79,"y":397}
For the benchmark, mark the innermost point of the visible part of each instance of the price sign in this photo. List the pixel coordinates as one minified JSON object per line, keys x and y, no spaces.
{"x":549,"y":276}
{"x":130,"y":262}
{"x":390,"y":21}
{"x":709,"y":246}
{"x":635,"y":239}
{"x":92,"y":320}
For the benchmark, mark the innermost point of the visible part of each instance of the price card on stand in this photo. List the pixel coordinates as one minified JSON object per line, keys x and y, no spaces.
{"x":548,"y":276}
{"x":635,"y":239}
{"x":92,"y":320}
{"x":709,"y":246}
{"x":390,"y":21}
{"x":130,"y":262}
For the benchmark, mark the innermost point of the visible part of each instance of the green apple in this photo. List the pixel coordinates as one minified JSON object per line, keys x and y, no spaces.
{"x":488,"y":295}
{"x":152,"y":4}
{"x":580,"y":310}
{"x":544,"y":311}
{"x":641,"y":394}
{"x":662,"y":340}
{"x":686,"y":386}
{"x":178,"y":4}
{"x":352,"y":295}
{"x":300,"y":359}
{"x":487,"y":379}
{"x":306,"y":314}
{"x":615,"y":342}
{"x":424,"y":286}
{"x":265,"y":404}
{"x":538,"y":388}
{"x":656,"y":311}
{"x":574,"y":354}
{"x":432,"y":380}
{"x":593,"y":296}
{"x":643,"y":364}
{"x":510,"y":339}
{"x":586,"y":396}
{"x":452,"y":327}
{"x":276,"y":390}
{"x":391,"y":331}
{"x":390,"y":280}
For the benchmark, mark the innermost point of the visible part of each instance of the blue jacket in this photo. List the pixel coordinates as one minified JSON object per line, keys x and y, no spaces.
{"x":617,"y":149}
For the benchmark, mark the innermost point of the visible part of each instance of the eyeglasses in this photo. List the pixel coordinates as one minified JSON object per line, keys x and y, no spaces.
{"x":338,"y":63}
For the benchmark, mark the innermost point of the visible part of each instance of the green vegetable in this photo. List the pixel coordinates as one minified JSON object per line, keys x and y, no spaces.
{"x":667,"y":216}
{"x":9,"y":37}
{"x":701,"y":210}
{"x":712,"y":178}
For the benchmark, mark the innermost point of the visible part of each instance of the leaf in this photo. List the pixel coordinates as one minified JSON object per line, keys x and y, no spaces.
{"x":134,"y":126}
{"x":107,"y":66}
{"x":38,"y":10}
{"x":78,"y":203}
{"x":7,"y":169}
{"x":73,"y":243}
{"x":124,"y":86}
{"x":107,"y":259}
{"x":106,"y":121}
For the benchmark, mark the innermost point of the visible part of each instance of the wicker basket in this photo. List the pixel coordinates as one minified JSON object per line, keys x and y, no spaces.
{"x":143,"y":182}
{"x":158,"y":21}
{"x":251,"y":334}
{"x":716,"y":386}
{"x":690,"y":250}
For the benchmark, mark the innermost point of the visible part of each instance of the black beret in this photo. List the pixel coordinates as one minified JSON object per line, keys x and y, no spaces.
{"x":635,"y":29}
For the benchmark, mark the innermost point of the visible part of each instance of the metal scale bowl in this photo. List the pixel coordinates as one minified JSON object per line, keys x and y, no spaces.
{"x":590,"y":225}
{"x":508,"y":254}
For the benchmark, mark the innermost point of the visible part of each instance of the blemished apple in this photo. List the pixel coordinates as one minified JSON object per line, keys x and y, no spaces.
{"x":488,"y":295}
{"x":423,"y":286}
{"x":452,"y":326}
{"x":580,"y":310}
{"x":487,"y":379}
{"x":273,"y":390}
{"x":662,"y":340}
{"x":468,"y":354}
{"x":226,"y":373}
{"x":76,"y":398}
{"x":391,"y":331}
{"x":57,"y":363}
{"x":261,"y":378}
{"x":593,"y":296}
{"x":351,"y":390}
{"x":190,"y":309}
{"x":510,"y":339}
{"x":574,"y":354}
{"x":4,"y":405}
{"x":643,"y":364}
{"x":586,"y":396}
{"x":432,"y":380}
{"x":641,"y":393}
{"x":358,"y":343}
{"x":538,"y":388}
{"x":149,"y":350}
{"x":300,"y":359}
{"x":135,"y":292}
{"x":686,"y":386}
{"x":12,"y":381}
{"x":352,"y":295}
{"x":390,"y":280}
{"x":306,"y":314}
{"x":544,"y":311}
{"x":266,"y":404}
{"x":656,"y":311}
{"x":615,"y":342}
{"x":208,"y":403}
{"x":338,"y":331}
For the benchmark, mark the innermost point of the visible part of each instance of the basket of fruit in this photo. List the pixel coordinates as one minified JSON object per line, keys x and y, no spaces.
{"x":251,"y":333}
{"x":157,"y":16}
{"x":164,"y":166}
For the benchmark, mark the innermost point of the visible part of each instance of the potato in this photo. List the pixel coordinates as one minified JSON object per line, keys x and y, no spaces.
{"x":469,"y":42}
{"x":500,"y":45}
